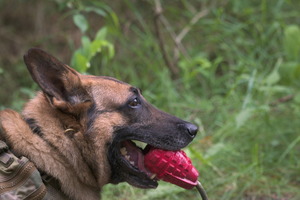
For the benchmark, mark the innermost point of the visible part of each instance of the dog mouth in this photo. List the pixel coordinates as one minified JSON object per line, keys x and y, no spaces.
{"x":132,"y":154}
{"x":126,"y":153}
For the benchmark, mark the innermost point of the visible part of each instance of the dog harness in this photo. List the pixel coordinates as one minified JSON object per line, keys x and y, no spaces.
{"x":21,"y":180}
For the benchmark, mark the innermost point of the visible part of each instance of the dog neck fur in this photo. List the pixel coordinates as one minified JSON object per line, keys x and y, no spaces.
{"x":53,"y":151}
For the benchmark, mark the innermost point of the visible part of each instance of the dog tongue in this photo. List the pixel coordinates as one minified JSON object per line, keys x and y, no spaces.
{"x":136,"y":157}
{"x":171,"y":166}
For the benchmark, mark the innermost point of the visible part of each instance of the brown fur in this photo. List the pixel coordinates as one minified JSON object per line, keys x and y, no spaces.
{"x":63,"y":158}
{"x":69,"y":141}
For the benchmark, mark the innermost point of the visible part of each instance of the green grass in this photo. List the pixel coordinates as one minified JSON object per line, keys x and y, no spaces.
{"x":243,"y":58}
{"x":247,"y":148}
{"x":259,"y":160}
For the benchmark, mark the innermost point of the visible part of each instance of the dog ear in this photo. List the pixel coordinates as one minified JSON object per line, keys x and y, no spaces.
{"x":58,"y":81}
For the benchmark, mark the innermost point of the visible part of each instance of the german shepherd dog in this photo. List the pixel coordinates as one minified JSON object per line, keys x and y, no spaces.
{"x":74,"y":130}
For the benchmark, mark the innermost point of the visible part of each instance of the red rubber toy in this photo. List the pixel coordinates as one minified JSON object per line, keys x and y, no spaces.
{"x":172,"y":166}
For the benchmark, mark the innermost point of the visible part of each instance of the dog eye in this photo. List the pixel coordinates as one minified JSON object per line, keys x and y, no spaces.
{"x":134,"y":103}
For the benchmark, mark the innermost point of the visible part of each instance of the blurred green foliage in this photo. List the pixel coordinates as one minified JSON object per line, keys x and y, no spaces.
{"x":239,"y":66}
{"x":99,"y":47}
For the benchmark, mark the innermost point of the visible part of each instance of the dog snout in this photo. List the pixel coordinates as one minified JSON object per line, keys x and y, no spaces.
{"x":192,"y":129}
{"x":189,"y":128}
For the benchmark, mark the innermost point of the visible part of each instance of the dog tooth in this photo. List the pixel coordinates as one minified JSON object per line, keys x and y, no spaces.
{"x":131,"y":162}
{"x":123,"y":151}
{"x":127,"y":157}
{"x":153,"y":176}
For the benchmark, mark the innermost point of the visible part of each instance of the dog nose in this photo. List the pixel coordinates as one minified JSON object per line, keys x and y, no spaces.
{"x":189,"y":128}
{"x":192,"y":129}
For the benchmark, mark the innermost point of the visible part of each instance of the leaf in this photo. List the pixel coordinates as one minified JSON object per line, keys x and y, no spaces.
{"x":289,"y":148}
{"x":96,"y":10}
{"x":111,"y":51}
{"x":273,"y":78}
{"x":292,"y":42}
{"x":95,"y":47}
{"x":115,"y":19}
{"x":80,"y":62}
{"x":275,"y":89}
{"x":101,"y":34}
{"x":85,"y":41}
{"x":243,"y":116}
{"x":81,"y":22}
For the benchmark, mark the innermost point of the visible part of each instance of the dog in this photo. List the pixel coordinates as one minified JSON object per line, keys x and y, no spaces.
{"x":80,"y":130}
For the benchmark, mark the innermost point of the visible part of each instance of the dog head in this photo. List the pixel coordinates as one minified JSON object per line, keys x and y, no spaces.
{"x":111,"y":115}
